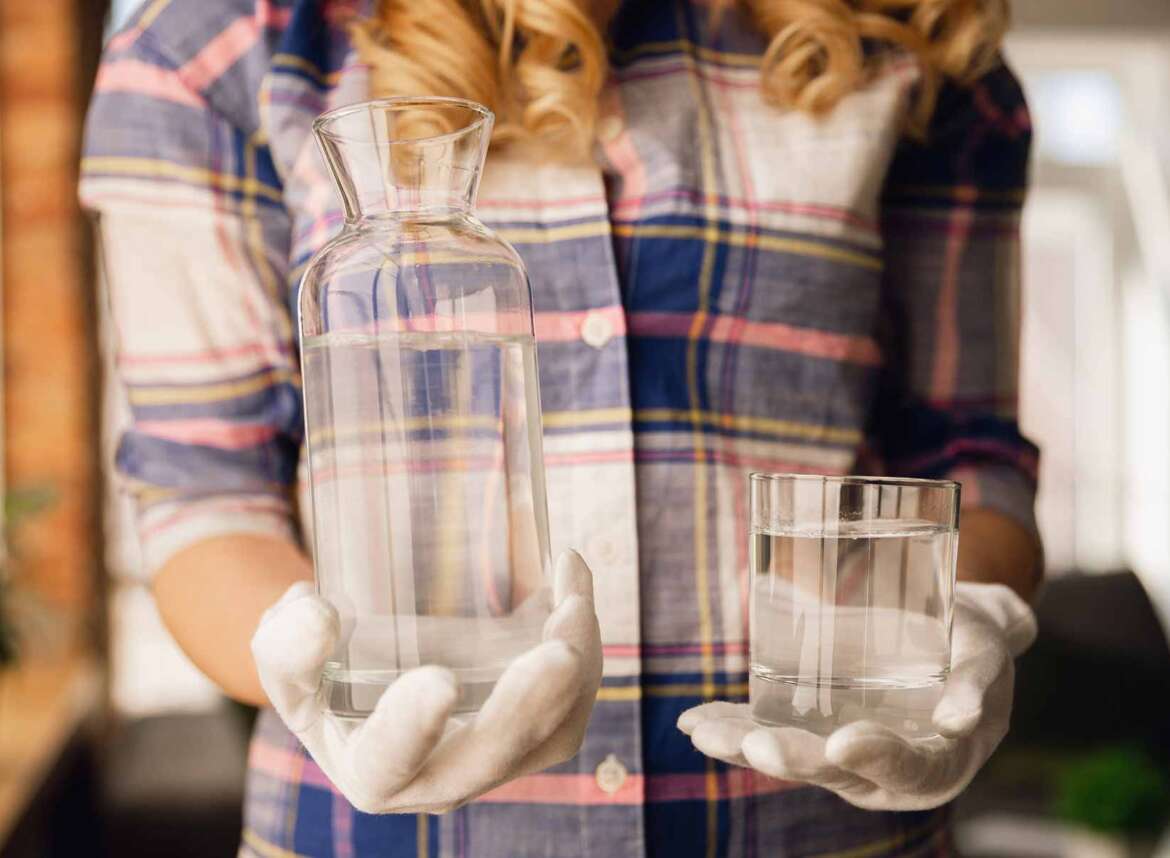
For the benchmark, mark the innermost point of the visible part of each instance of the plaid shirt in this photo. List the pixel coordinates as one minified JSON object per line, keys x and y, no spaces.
{"x":732,"y":287}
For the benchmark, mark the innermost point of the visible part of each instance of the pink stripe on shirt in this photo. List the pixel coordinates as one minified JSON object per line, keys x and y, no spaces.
{"x":564,"y":789}
{"x":124,"y":39}
{"x":208,"y":432}
{"x":204,"y":356}
{"x":142,"y":78}
{"x":621,"y":213}
{"x":635,"y":789}
{"x":566,"y":327}
{"x":734,"y":783}
{"x":220,"y":54}
{"x":281,"y":762}
{"x":550,"y":327}
{"x":772,"y":335}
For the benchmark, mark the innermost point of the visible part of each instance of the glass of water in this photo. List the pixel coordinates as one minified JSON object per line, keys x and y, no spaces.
{"x":852,"y":590}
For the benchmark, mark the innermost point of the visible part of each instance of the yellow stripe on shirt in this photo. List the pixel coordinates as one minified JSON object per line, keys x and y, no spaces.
{"x":190,"y":394}
{"x":553,"y":234}
{"x":586,"y":417}
{"x":747,"y":423}
{"x":292,"y":61}
{"x":269,"y":850}
{"x":151,"y":168}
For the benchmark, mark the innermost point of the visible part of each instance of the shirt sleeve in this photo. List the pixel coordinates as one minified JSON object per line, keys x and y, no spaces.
{"x":947,"y":406}
{"x":194,"y":240}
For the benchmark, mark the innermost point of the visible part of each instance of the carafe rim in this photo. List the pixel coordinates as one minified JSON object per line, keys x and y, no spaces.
{"x":402,"y":102}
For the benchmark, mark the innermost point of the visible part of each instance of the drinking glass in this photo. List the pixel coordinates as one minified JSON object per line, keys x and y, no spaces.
{"x":422,"y":410}
{"x":852,"y":591}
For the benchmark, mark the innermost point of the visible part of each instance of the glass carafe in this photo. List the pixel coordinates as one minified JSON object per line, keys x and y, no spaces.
{"x":422,"y":410}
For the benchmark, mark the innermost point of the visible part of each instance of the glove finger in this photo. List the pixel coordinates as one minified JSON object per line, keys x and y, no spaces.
{"x":290,"y":647}
{"x":1001,"y":606}
{"x":532,"y":698}
{"x":562,"y":745}
{"x":395,"y":740}
{"x":696,"y":715}
{"x":960,"y":708}
{"x":575,"y":623}
{"x":789,"y":753}
{"x":926,"y":772}
{"x":572,"y":577}
{"x":722,"y":738}
{"x":530,"y":702}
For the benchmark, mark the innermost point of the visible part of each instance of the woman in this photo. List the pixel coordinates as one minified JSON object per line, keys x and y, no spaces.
{"x":764,"y":235}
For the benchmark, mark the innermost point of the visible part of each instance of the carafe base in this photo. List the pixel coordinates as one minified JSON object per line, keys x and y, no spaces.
{"x":354,"y":693}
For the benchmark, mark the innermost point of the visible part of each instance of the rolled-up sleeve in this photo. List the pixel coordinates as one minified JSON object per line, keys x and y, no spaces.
{"x":947,"y":406}
{"x":194,"y":242}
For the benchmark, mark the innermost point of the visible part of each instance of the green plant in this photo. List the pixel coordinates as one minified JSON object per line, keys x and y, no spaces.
{"x":19,"y":506}
{"x":1114,"y":790}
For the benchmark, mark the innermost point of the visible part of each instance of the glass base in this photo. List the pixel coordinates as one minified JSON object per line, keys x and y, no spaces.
{"x":905,"y":706}
{"x":355,"y":693}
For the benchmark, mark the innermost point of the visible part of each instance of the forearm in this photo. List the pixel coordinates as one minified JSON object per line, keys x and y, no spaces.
{"x":996,"y":549}
{"x":211,"y":596}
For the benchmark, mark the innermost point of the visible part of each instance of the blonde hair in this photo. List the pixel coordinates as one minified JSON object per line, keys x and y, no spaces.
{"x":540,"y":64}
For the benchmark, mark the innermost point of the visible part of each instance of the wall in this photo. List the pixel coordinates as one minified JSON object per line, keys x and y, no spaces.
{"x":49,"y":383}
{"x":1131,"y":14}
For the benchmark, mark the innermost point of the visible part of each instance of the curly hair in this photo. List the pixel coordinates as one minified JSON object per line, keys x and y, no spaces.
{"x":541,"y":64}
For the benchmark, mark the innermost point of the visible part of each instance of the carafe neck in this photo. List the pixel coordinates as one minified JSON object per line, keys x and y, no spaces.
{"x":405,"y":158}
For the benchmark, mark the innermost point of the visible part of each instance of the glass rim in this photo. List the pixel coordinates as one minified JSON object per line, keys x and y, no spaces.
{"x":852,"y":479}
{"x":484,"y":116}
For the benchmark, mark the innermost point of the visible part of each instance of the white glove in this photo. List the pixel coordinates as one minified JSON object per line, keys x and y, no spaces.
{"x":871,"y":766}
{"x":407,"y":757}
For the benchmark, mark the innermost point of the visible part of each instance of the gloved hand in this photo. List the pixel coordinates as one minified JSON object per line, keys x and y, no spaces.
{"x":866,"y":763}
{"x":407,"y":757}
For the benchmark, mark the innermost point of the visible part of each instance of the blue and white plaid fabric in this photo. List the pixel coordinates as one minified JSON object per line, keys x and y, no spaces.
{"x":731,"y":287}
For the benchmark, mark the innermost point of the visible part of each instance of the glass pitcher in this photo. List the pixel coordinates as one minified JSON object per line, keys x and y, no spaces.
{"x":422,"y":410}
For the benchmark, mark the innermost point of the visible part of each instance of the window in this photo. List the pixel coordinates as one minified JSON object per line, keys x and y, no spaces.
{"x":1096,"y":308}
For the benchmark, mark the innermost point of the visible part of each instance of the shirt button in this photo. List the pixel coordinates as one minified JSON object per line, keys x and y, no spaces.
{"x":596,"y":329}
{"x":611,"y":774}
{"x":610,"y":128}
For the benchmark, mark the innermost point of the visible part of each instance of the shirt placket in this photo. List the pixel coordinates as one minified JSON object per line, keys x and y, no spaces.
{"x":558,"y":219}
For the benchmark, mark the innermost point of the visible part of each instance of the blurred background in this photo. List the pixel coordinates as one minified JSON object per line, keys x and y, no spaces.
{"x":112,"y":743}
